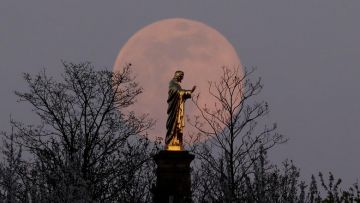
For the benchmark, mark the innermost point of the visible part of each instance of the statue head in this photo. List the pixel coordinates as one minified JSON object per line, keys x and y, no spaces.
{"x":179,"y":75}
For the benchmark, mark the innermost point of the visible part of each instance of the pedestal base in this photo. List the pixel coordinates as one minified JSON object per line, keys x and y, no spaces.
{"x":173,"y":184}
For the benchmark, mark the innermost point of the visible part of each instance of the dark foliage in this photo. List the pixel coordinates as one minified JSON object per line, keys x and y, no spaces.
{"x":87,"y":148}
{"x":231,"y":146}
{"x":230,"y":128}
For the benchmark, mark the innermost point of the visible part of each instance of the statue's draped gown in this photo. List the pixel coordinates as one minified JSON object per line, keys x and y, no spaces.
{"x":176,"y":121}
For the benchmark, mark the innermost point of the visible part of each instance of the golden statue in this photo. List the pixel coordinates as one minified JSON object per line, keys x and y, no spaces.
{"x":176,"y":119}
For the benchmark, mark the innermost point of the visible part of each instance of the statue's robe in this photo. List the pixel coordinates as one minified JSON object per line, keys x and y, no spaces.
{"x":175,"y":122}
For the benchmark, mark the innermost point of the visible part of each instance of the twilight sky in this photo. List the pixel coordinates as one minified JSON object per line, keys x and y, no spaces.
{"x":307,"y":53}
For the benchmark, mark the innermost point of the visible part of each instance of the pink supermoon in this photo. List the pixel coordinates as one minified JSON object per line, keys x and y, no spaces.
{"x":159,"y":49}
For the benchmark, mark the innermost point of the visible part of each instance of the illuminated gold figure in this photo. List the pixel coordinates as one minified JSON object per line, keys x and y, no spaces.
{"x":176,"y":113}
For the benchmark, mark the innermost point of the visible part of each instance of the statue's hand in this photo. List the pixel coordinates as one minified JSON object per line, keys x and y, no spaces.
{"x":193,"y":89}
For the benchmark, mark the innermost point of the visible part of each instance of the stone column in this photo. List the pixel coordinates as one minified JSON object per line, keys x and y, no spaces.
{"x":173,"y":184}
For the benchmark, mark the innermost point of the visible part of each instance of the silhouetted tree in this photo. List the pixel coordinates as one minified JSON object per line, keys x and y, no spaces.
{"x":230,"y":128}
{"x":333,"y":191}
{"x":269,"y":183}
{"x":231,"y":146}
{"x":11,"y":183}
{"x":87,"y":148}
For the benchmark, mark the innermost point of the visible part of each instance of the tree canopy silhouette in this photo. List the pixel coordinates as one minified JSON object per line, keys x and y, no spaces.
{"x":233,"y":137}
{"x":87,"y":146}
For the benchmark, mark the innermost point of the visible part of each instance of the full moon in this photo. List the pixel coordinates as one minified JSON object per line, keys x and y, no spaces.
{"x":159,"y":49}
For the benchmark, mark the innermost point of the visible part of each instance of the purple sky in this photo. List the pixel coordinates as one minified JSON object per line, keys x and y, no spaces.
{"x":307,"y":52}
